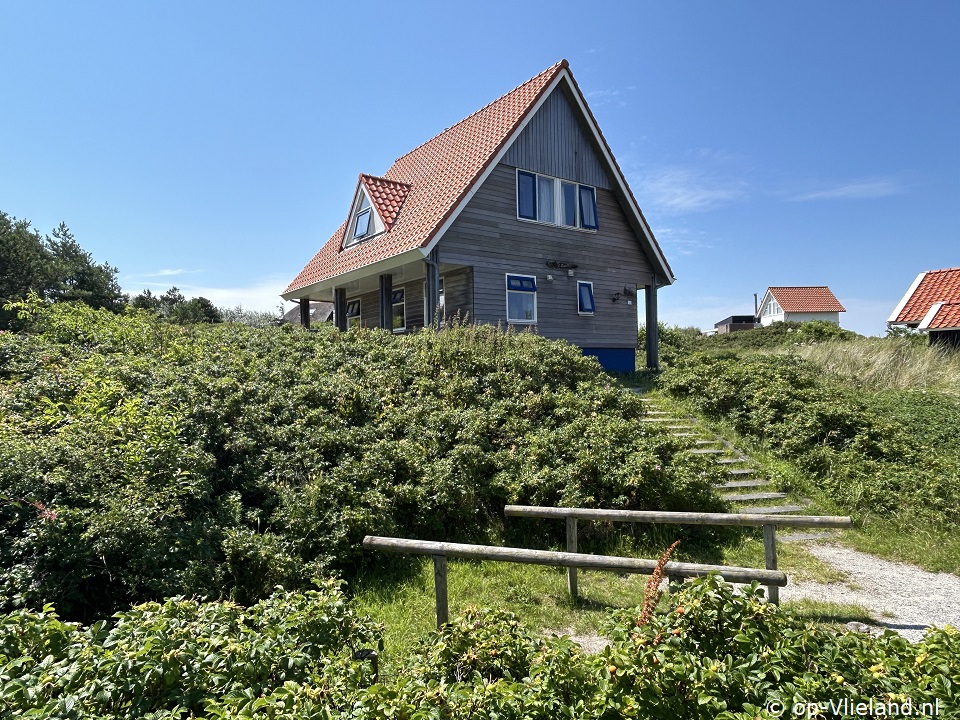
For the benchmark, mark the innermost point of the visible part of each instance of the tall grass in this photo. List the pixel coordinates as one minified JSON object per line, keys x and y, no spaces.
{"x":887,"y":363}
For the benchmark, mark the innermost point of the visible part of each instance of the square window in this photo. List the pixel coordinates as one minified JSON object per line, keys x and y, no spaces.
{"x":585,"y":302}
{"x":521,"y":299}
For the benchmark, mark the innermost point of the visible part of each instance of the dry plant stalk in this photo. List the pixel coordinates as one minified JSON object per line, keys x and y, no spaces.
{"x":652,"y":593}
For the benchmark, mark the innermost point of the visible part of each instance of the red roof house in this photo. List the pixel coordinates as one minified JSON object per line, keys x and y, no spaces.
{"x":799,"y":304}
{"x":517,"y":215}
{"x":932,"y":304}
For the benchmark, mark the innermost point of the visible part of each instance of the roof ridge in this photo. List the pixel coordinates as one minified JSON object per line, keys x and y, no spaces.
{"x":384,"y":179}
{"x":553,"y":68}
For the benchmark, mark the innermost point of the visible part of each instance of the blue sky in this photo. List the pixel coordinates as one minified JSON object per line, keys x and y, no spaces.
{"x":216,"y":145}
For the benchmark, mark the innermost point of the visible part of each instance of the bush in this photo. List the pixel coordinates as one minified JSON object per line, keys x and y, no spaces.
{"x":221,"y":460}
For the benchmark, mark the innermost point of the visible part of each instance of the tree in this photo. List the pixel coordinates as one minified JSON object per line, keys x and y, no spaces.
{"x":56,"y":268}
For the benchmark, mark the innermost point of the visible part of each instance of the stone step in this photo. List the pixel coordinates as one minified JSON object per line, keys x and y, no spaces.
{"x":732,"y":461}
{"x":753,"y":497}
{"x":681,"y":427}
{"x":705,"y":451}
{"x":741,"y":471}
{"x":656,"y":419}
{"x":772,"y":510}
{"x":733,"y":484}
{"x":686,"y":434}
{"x":706,"y":442}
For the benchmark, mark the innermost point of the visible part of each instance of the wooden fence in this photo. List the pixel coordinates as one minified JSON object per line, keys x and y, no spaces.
{"x":769,"y":523}
{"x":571,"y":560}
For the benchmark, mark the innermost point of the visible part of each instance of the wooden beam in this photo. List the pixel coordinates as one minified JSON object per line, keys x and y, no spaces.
{"x":572,"y":548}
{"x":305,"y":312}
{"x":680,"y":518}
{"x":432,"y":281}
{"x":566,"y":559}
{"x":440,"y":589}
{"x":652,"y":329}
{"x":770,"y":555}
{"x":386,"y":302}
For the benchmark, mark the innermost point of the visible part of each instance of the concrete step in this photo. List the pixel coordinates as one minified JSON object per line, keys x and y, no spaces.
{"x":705,"y":451}
{"x":686,"y":434}
{"x":771,"y":510}
{"x":733,"y":484}
{"x":707,"y":442}
{"x":681,"y":427}
{"x":753,"y":497}
{"x":732,"y":461}
{"x":656,"y":419}
{"x":741,"y":471}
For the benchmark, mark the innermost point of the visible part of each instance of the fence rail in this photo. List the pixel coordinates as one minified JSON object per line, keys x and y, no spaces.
{"x":769,"y":523}
{"x":440,"y":551}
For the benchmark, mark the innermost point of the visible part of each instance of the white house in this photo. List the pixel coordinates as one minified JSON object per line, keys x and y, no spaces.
{"x":799,"y":304}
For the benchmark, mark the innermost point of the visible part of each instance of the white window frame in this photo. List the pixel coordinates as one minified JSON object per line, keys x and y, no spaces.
{"x":394,"y":305}
{"x":592,"y":297}
{"x":374,"y":226}
{"x":506,"y":284}
{"x":558,"y":184}
{"x":358,"y":317}
{"x":441,"y":303}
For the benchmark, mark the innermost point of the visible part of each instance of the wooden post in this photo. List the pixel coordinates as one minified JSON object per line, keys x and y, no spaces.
{"x":770,"y":555}
{"x":386,"y":302}
{"x":440,"y":588}
{"x":572,"y":547}
{"x":432,"y":290}
{"x":340,"y":308}
{"x":305,"y":312}
{"x":652,"y":330}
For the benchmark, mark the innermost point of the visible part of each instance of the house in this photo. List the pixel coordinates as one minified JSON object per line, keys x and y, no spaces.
{"x":932,"y":305}
{"x":518,"y":215}
{"x":799,"y":304}
{"x":734,"y":323}
{"x":320,"y":312}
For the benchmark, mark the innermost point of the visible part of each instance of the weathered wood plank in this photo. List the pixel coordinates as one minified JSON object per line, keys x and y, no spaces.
{"x":679,"y":518}
{"x":566,"y":559}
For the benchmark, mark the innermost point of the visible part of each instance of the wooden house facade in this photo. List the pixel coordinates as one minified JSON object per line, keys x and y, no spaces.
{"x":518,"y":216}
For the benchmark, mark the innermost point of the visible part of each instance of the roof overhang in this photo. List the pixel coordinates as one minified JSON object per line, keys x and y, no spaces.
{"x":323,"y":289}
{"x":892,"y":320}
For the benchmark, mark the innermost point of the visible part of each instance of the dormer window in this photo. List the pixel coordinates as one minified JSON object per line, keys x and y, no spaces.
{"x":364,"y":221}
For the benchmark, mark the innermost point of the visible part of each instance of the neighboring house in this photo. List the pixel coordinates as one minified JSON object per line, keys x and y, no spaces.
{"x":734,"y":323}
{"x":518,"y":215}
{"x":799,"y":304}
{"x":320,"y":312}
{"x":932,"y":305}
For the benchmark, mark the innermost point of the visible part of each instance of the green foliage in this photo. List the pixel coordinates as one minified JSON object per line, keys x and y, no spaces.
{"x":56,"y":268}
{"x":858,"y":452}
{"x":223,"y":460}
{"x":713,"y":653}
{"x":675,"y":341}
{"x":175,"y":308}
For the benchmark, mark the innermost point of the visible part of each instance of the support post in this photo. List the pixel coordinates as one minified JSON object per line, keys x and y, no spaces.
{"x":386,"y":302}
{"x":770,"y":555}
{"x":432,"y":291}
{"x":572,"y":547}
{"x":305,"y":312}
{"x":340,"y":308}
{"x":440,"y":589}
{"x":653,"y":341}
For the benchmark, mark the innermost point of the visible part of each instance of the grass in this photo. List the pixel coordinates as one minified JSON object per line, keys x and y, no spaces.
{"x":828,"y":613}
{"x":887,"y":363}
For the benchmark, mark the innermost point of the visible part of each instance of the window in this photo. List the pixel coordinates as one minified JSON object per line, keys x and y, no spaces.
{"x":557,"y":202}
{"x":363,"y":224}
{"x":440,"y":302}
{"x":353,"y":313}
{"x":521,"y":299}
{"x":399,"y":310}
{"x":585,"y":303}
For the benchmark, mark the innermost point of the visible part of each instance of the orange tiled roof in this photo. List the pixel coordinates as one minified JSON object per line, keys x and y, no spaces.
{"x":437,"y":175}
{"x":935,"y":286}
{"x":387,"y":196}
{"x":946,"y":318}
{"x":817,"y":298}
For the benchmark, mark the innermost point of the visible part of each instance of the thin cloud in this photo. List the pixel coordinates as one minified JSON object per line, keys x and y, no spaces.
{"x":598,"y":98}
{"x":171,"y":273}
{"x":857,"y":190}
{"x":683,"y":190}
{"x":681,"y":242}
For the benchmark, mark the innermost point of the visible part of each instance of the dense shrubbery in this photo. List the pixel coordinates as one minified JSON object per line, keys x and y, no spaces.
{"x":715,"y":653}
{"x":859,"y":455}
{"x":140,"y":460}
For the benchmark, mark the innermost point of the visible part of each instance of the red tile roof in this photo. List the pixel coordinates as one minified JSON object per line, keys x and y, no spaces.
{"x":817,"y":298}
{"x":946,"y":318}
{"x":934,"y":286}
{"x":437,"y":175}
{"x":387,"y":196}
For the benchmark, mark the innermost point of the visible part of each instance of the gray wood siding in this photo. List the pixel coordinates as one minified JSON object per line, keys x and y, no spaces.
{"x":458,"y":295}
{"x":488,"y":236}
{"x":555,"y":143}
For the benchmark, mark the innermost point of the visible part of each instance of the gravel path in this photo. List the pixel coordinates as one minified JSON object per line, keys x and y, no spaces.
{"x":899,"y":596}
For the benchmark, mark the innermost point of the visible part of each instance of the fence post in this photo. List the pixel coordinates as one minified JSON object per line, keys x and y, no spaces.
{"x":440,"y":588}
{"x":572,"y":547}
{"x":770,"y":555}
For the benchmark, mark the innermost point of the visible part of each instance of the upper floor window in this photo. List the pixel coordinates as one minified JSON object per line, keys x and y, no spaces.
{"x":550,"y":200}
{"x":364,"y":222}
